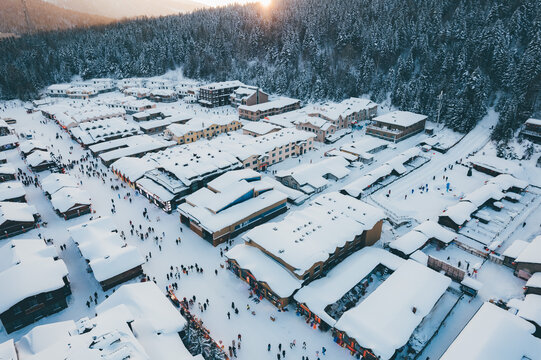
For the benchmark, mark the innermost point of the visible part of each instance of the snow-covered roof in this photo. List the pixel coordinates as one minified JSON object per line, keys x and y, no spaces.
{"x":244,"y":146}
{"x":385,"y":320}
{"x":7,"y":350}
{"x":92,"y":132}
{"x":179,"y":166}
{"x":310,"y":235}
{"x":481,"y":195}
{"x":345,"y":155}
{"x":265,"y":269}
{"x":325,"y":291}
{"x":11,"y":189}
{"x":400,"y":118}
{"x":8,"y":139}
{"x":533,"y":121}
{"x":460,"y":212}
{"x":29,"y":145}
{"x":532,"y":253}
{"x":495,"y":334}
{"x":133,"y":168}
{"x":529,"y":308}
{"x":153,"y":124}
{"x":506,"y":181}
{"x":101,"y":245}
{"x":106,"y":336}
{"x":55,"y":181}
{"x":222,"y":85}
{"x":514,"y":250}
{"x":156,"y":321}
{"x":418,"y":236}
{"x":28,"y":268}
{"x":227,"y":201}
{"x":7,"y":169}
{"x":15,"y":211}
{"x":129,"y":146}
{"x":314,"y":174}
{"x":199,"y":124}
{"x":260,"y":127}
{"x":366,"y":144}
{"x":39,"y":157}
{"x":345,"y":108}
{"x":287,"y":119}
{"x":534,"y":281}
{"x":355,"y":188}
{"x":270,"y":105}
{"x":67,"y":197}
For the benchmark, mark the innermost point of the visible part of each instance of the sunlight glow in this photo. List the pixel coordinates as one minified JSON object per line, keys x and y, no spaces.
{"x":265,"y":3}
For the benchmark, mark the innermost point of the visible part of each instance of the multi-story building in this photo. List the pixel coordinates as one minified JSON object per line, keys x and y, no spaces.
{"x":396,"y":125}
{"x":201,"y":128}
{"x":278,"y":258}
{"x":319,"y":126}
{"x":217,"y":94}
{"x":263,"y":151}
{"x":231,"y":204}
{"x":347,"y":112}
{"x":248,"y":95}
{"x":532,"y":129}
{"x":259,"y":111}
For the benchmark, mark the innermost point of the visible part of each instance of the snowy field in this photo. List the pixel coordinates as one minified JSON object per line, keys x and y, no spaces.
{"x":220,"y":286}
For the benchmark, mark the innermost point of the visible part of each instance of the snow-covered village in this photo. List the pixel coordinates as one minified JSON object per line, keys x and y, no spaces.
{"x":214,"y":211}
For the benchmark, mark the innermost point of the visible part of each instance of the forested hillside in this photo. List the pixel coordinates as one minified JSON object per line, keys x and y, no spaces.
{"x":27,"y":16}
{"x":469,"y":52}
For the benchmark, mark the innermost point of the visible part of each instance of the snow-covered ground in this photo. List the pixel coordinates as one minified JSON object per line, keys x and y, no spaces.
{"x":224,"y":288}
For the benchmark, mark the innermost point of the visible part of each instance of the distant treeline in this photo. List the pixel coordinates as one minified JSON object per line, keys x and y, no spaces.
{"x":448,"y":57}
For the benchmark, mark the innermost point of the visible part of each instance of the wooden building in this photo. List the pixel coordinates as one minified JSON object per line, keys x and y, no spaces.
{"x":397,"y":125}
{"x":16,"y":218}
{"x":35,"y":283}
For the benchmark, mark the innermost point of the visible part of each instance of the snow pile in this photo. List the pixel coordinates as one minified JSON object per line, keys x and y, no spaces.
{"x":529,"y":308}
{"x":494,"y":333}
{"x":106,"y":253}
{"x":385,"y":320}
{"x":312,"y":234}
{"x":28,"y":268}
{"x":343,"y":277}
{"x":417,"y":238}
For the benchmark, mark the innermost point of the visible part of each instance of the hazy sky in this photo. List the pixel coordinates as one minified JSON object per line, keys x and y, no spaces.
{"x":224,"y":2}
